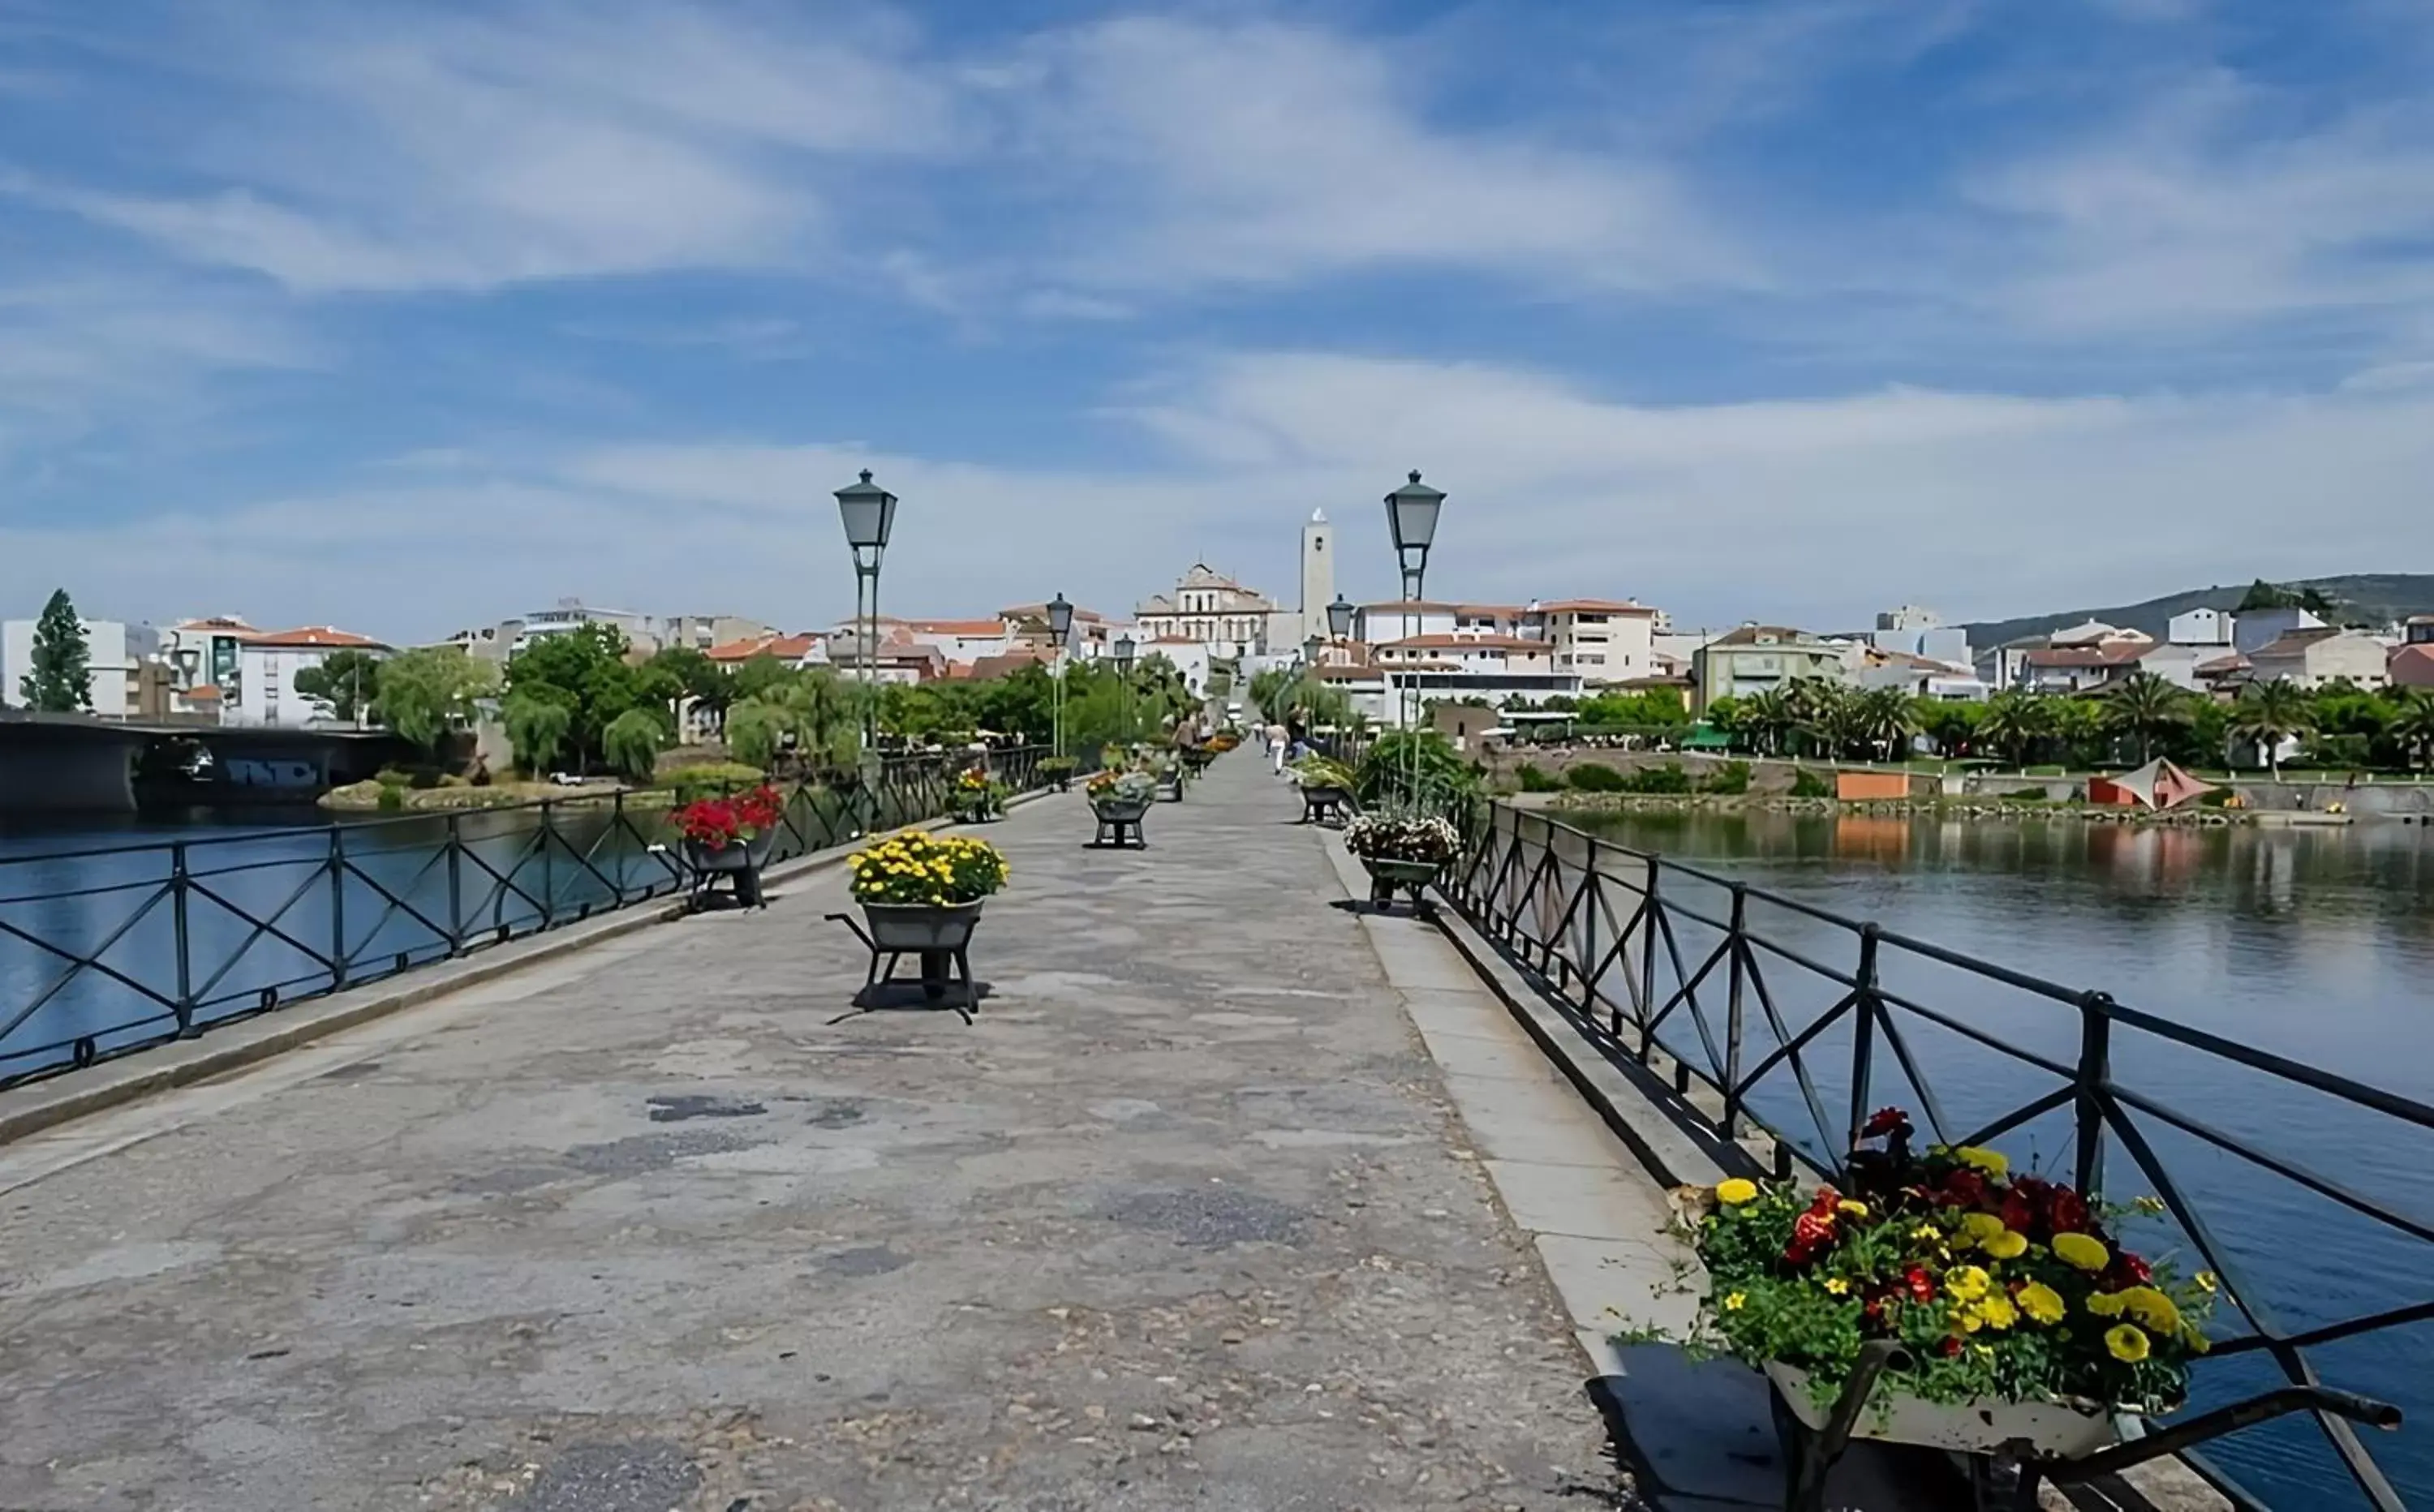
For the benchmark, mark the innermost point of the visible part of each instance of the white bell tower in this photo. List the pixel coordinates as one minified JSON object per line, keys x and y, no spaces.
{"x":1317,"y":575}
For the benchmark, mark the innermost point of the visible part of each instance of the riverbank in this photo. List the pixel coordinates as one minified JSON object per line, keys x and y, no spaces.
{"x":1944,"y":808}
{"x":369,"y":797}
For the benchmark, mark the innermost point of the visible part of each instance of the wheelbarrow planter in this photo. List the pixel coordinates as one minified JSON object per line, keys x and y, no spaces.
{"x":939,"y":935}
{"x":1119,"y":822}
{"x":1390,"y":873}
{"x":1318,"y":804}
{"x":740,"y":862}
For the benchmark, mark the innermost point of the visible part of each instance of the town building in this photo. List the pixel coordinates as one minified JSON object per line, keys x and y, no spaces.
{"x":117,"y":655}
{"x":1761,"y":658}
{"x":2411,"y":666}
{"x":2258,"y":628}
{"x":2320,"y":654}
{"x":1387,"y":689}
{"x":267,"y":662}
{"x":1916,"y":632}
{"x":2202,"y":627}
{"x":1603,"y":640}
{"x":1317,"y":577}
{"x":1212,"y":609}
{"x":700,"y":631}
{"x":201,"y":655}
{"x":1918,"y":676}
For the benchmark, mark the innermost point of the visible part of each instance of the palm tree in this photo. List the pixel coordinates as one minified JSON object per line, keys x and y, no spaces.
{"x":2412,"y":724}
{"x":1767,"y":716}
{"x":2268,"y":713}
{"x":1812,"y":705}
{"x":1885,"y":717}
{"x":2013,"y":722}
{"x":2143,"y":705}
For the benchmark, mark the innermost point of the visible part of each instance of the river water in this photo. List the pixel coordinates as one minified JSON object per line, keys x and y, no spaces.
{"x":2314,"y":943}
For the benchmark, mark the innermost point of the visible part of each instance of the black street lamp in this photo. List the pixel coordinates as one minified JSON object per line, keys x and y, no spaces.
{"x":1309,"y":650}
{"x":870,"y":515}
{"x":1125,"y":649}
{"x":1411,"y":518}
{"x":1061,"y":628}
{"x":1339,"y":617}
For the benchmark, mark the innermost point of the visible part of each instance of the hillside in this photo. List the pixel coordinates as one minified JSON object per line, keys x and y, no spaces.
{"x":2371,"y":597}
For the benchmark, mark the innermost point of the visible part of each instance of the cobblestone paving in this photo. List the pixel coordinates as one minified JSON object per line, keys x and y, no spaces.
{"x":1182,"y":1221}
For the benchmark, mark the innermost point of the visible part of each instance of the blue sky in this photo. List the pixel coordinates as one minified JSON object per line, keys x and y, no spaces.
{"x":411,"y":316}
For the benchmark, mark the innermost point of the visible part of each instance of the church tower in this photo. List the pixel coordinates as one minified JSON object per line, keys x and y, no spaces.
{"x":1317,"y":575}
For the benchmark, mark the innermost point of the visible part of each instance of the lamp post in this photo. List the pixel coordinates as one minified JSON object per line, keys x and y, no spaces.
{"x":1412,"y":517}
{"x":1061,"y":628}
{"x":1125,"y":649}
{"x":870,"y":515}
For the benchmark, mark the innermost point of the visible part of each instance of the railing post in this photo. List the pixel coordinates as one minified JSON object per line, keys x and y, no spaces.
{"x":2095,"y":1073}
{"x":1738,"y":958}
{"x":1864,"y":1008}
{"x":1588,"y":930}
{"x":337,"y":907}
{"x":548,"y":867}
{"x":177,"y":886}
{"x":617,"y":827}
{"x":1648,"y":962}
{"x":455,"y":888}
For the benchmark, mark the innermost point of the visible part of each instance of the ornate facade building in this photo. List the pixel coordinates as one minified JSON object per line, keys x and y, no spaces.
{"x":1210,"y":610}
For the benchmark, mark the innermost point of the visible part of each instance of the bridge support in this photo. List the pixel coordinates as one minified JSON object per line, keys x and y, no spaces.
{"x":84,"y":771}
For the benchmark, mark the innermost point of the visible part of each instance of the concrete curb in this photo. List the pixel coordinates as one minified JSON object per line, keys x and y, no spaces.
{"x":42,"y":1105}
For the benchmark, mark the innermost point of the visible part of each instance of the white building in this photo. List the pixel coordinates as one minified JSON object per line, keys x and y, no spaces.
{"x":1317,"y":576}
{"x":115,"y":656}
{"x":204,"y":665}
{"x":1208,"y":608}
{"x":267,"y":663}
{"x":2321,"y":655}
{"x":2201,"y":627}
{"x":1603,"y":640}
{"x":1917,"y":632}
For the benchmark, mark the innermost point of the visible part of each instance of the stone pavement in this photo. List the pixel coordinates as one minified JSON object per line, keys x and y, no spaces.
{"x":1183,"y":1221}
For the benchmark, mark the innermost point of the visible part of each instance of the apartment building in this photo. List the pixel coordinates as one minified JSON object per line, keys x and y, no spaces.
{"x":267,"y":662}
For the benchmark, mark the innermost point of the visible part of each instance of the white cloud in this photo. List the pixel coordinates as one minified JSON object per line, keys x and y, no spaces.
{"x":1263,"y":153}
{"x":540,"y":142}
{"x":1813,"y":510}
{"x":2208,"y":212}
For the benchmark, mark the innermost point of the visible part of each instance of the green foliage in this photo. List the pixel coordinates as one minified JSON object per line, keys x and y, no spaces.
{"x":423,"y":694}
{"x":536,"y":726}
{"x":392,"y":796}
{"x":346,"y":684}
{"x":631,"y":744}
{"x":1656,"y":707}
{"x":710,"y":779}
{"x":583,"y":672}
{"x":1589,"y":777}
{"x":2144,"y":706}
{"x":1668,"y":778}
{"x":756,"y":730}
{"x":1386,"y":774}
{"x":1808,"y":784}
{"x":59,"y":679}
{"x":1534,"y":779}
{"x":2269,"y":712}
{"x":1730,"y":777}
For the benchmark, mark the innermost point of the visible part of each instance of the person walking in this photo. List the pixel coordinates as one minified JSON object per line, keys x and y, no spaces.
{"x":1276,"y":748}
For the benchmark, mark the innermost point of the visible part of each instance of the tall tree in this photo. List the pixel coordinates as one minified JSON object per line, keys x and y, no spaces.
{"x":2413,"y":724}
{"x":536,"y":726}
{"x":423,"y":694}
{"x":2144,"y":706}
{"x":346,"y":684}
{"x":631,"y":744}
{"x":584,"y":671}
{"x":2268,"y":713}
{"x":2013,"y":722}
{"x":60,"y":679}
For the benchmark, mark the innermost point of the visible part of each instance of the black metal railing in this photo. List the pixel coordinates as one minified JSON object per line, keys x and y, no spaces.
{"x":113,"y":949}
{"x":1759,"y":1018}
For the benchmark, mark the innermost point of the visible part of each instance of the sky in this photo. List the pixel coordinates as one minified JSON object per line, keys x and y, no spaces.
{"x":411,"y":316}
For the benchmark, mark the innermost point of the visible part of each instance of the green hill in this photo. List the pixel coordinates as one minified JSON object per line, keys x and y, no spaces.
{"x":2366,"y":598}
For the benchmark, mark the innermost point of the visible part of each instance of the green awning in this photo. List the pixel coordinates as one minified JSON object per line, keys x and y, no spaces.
{"x":1708,"y":738}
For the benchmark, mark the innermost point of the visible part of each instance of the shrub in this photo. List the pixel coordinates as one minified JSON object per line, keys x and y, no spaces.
{"x":1668,"y":778}
{"x":1808,"y":784}
{"x":1590,"y":777}
{"x":1534,"y":780}
{"x":392,"y":796}
{"x":1731,"y":777}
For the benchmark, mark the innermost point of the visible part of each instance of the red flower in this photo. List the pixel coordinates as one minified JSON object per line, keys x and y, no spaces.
{"x":1921,"y":1286}
{"x":1951,"y":1345}
{"x":2017,"y":1212}
{"x":1965,"y":1188}
{"x":2067,"y":1213}
{"x":2128,"y":1270}
{"x":1885,"y":1121}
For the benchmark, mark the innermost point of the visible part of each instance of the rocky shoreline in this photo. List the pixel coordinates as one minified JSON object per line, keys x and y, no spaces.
{"x":1991,"y":808}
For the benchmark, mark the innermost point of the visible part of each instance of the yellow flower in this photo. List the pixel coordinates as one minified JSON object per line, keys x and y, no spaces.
{"x":1983,"y":1352}
{"x":1733,"y":1303}
{"x":2195,"y":1338}
{"x":2107,"y":1304}
{"x":2205,"y":1281}
{"x":1837,"y":1286}
{"x":2082,"y":1250}
{"x":1992,"y":1162}
{"x":1734,"y":1191}
{"x":2152,"y":1308}
{"x":2149,"y":1205}
{"x":1967,"y":1320}
{"x":1856,"y":1210}
{"x":2007,"y":1245}
{"x":1998,"y":1311}
{"x":1968,"y":1283}
{"x":2126,"y":1341}
{"x":1980,"y":1227}
{"x":2042,"y":1303}
{"x":1926,"y":1234}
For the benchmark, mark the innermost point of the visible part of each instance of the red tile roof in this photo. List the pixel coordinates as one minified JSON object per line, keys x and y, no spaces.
{"x":2111,"y":653}
{"x":958,"y":627}
{"x":2413,"y":667}
{"x":1595,"y":606}
{"x":322,"y":636}
{"x":203,"y":692}
{"x":1006,"y":665}
{"x":785,"y":647}
{"x":1439,"y":643}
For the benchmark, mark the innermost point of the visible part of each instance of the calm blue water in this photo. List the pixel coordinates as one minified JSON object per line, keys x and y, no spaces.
{"x":2316,"y":944}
